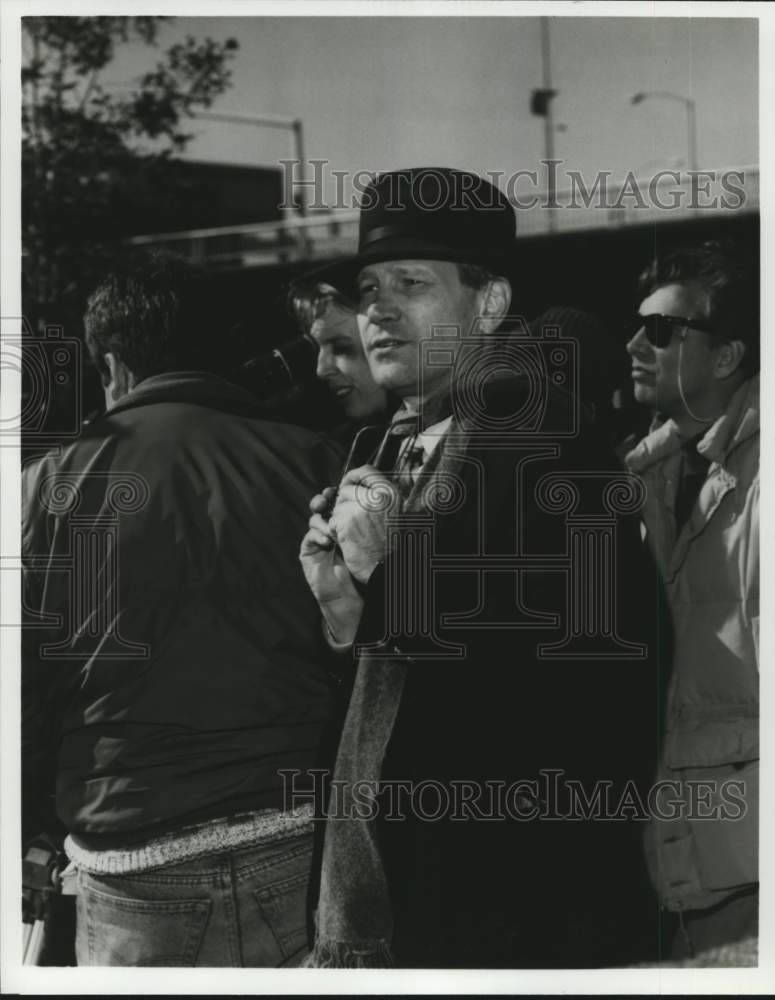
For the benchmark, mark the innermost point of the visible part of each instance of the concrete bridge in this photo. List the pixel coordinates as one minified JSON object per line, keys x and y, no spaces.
{"x":667,"y":196}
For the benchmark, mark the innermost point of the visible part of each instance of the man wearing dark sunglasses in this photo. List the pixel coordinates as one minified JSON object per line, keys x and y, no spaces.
{"x":681,"y":366}
{"x":694,"y":350}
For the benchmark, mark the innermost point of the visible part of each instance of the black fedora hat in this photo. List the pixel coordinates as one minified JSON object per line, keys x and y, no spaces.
{"x":428,"y":213}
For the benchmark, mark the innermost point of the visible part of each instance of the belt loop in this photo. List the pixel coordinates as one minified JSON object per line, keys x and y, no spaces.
{"x":686,"y":935}
{"x":69,"y":880}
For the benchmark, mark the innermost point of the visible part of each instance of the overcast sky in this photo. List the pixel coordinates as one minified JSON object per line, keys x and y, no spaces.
{"x":378,"y":93}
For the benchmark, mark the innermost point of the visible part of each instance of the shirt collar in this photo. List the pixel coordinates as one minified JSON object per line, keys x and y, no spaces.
{"x":430,"y":437}
{"x":415,"y":428}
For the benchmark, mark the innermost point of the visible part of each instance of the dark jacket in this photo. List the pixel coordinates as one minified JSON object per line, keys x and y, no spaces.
{"x":477,"y":892}
{"x":182,"y":667}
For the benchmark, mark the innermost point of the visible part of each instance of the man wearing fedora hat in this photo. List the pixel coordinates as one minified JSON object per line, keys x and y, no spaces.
{"x":438,"y":560}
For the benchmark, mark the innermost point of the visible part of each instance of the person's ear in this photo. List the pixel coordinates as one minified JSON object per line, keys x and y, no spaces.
{"x":729,"y":358}
{"x":494,"y":305}
{"x":119,"y":381}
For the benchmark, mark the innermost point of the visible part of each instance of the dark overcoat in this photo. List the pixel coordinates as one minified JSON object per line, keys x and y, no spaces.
{"x":526,"y":608}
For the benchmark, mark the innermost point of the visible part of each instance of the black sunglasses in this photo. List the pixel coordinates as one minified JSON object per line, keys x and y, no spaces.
{"x":659,"y":329}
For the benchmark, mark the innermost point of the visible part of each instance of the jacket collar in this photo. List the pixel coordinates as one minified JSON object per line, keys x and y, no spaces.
{"x":739,"y":422}
{"x":199,"y":388}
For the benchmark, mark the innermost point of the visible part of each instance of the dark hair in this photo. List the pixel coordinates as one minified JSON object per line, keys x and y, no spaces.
{"x":154,"y":315}
{"x":308,"y":300}
{"x":474,"y":276}
{"x":603,"y":364}
{"x":727,"y":276}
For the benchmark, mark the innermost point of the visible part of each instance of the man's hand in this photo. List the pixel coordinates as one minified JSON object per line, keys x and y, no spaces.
{"x":327,"y":575}
{"x":365,"y":499}
{"x":323,"y":503}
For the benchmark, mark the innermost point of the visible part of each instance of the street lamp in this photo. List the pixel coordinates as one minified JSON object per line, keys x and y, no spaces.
{"x":541,"y":105}
{"x":267,"y":121}
{"x":691,"y":117}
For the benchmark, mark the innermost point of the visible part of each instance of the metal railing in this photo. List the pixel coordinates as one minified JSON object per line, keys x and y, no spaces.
{"x":318,"y":237}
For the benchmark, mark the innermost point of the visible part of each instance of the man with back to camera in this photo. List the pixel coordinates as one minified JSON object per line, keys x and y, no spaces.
{"x":187,"y":668}
{"x":695,"y":362}
{"x":472,"y":699}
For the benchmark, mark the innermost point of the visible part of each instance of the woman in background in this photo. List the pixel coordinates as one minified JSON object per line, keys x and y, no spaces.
{"x":330,"y":319}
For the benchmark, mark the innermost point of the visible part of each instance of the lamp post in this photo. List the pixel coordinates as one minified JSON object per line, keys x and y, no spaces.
{"x":295,"y":125}
{"x":546,"y":59}
{"x":691,"y":118}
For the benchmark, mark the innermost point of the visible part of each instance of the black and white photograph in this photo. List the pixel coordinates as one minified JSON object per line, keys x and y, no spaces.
{"x":380,"y":535}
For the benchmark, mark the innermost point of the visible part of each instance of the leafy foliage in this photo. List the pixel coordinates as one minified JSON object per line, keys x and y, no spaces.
{"x":95,"y":162}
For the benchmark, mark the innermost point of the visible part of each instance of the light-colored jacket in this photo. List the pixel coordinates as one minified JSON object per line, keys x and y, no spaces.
{"x":706,"y":846}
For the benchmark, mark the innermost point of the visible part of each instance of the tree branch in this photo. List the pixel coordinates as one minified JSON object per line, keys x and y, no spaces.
{"x":89,"y":87}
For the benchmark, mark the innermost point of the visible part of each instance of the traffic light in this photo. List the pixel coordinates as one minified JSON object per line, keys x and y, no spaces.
{"x":539,"y":101}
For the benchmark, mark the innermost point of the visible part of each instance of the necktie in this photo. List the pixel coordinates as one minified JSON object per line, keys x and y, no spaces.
{"x":410,"y":464}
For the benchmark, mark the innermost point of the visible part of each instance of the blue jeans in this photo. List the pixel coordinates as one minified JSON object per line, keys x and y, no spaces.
{"x":245,"y":907}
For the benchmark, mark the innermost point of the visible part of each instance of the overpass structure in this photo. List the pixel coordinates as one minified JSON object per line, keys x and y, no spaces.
{"x":669,"y":196}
